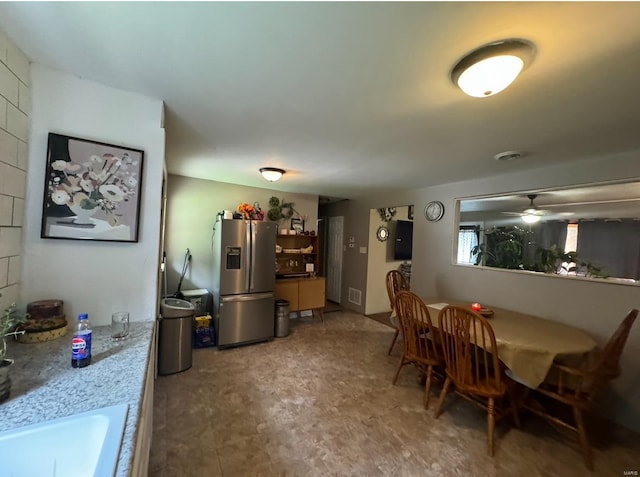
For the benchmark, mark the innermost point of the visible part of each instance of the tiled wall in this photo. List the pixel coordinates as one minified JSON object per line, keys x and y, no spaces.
{"x":14,"y":126}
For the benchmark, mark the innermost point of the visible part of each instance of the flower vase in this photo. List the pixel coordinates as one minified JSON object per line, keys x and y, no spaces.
{"x":83,"y":216}
{"x":5,"y":381}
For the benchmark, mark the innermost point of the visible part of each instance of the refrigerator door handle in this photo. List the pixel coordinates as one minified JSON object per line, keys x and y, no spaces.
{"x":248,"y":256}
{"x":250,"y":297}
{"x":252,"y":228}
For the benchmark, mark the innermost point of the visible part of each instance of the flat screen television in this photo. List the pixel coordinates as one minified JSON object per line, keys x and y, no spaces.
{"x":403,"y":240}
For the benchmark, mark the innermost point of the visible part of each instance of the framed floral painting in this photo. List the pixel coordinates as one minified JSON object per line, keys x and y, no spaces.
{"x":91,"y":190}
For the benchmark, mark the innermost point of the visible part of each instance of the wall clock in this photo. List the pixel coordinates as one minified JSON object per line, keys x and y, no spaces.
{"x":382,"y":233}
{"x":434,"y":211}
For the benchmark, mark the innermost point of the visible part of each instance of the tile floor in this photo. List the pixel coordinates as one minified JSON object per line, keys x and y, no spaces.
{"x":320,"y":402}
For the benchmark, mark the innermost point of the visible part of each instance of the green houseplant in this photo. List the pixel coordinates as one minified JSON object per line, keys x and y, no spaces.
{"x":506,"y":247}
{"x":8,"y":323}
{"x":503,"y":249}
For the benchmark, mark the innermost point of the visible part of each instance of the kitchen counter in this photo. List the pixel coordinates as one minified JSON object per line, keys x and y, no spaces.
{"x":45,"y":386}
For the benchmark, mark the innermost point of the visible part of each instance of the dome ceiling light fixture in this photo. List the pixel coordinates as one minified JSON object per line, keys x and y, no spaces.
{"x":272,"y":174}
{"x":490,"y":68}
{"x":530,"y":218}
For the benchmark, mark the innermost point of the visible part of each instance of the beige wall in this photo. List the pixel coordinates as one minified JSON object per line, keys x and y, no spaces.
{"x":192,"y":205}
{"x":15,"y":105}
{"x":93,"y":277}
{"x":380,"y":262}
{"x":593,"y":306}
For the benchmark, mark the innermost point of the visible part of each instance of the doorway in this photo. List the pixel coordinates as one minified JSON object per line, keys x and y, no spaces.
{"x":334,"y":258}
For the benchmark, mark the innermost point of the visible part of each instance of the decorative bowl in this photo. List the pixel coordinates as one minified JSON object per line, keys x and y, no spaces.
{"x":486,"y":312}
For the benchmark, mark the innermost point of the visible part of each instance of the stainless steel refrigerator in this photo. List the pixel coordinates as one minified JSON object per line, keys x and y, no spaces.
{"x":244,"y":255}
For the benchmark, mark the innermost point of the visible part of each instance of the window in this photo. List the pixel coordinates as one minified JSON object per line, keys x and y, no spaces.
{"x":468,"y":237}
{"x":570,"y":245}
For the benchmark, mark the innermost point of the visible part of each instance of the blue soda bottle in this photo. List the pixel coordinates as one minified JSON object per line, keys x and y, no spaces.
{"x":81,"y":343}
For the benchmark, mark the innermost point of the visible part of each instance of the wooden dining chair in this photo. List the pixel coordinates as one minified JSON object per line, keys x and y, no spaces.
{"x":419,"y":338}
{"x":472,"y":366}
{"x":395,"y":281}
{"x":578,"y":387}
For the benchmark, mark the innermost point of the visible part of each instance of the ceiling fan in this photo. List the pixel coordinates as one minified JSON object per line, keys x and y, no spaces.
{"x":531,"y":214}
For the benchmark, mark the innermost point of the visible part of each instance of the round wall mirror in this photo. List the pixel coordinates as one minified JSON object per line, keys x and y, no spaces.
{"x":382,"y":233}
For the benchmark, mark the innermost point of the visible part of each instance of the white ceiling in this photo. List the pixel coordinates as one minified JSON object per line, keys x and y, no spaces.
{"x":352,"y":98}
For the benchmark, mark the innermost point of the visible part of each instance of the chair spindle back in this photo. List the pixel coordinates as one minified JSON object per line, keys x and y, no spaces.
{"x":395,"y":282}
{"x":609,"y":364}
{"x":470,"y":351}
{"x":419,"y":335}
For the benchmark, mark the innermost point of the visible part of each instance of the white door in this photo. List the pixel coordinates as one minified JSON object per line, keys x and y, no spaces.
{"x":334,"y":258}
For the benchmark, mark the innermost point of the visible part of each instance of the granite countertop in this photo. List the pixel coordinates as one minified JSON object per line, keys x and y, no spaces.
{"x":45,"y":386}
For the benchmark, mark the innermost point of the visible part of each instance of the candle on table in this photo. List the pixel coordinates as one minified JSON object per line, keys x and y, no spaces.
{"x":476,"y":306}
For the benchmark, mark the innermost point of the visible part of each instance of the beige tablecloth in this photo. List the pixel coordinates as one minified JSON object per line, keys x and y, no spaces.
{"x":527,"y":345}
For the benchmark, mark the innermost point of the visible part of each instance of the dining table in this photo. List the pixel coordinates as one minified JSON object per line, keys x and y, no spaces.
{"x":528,"y":345}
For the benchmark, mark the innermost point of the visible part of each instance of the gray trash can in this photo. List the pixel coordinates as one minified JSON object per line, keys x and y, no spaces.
{"x":176,"y":331}
{"x":282,"y":318}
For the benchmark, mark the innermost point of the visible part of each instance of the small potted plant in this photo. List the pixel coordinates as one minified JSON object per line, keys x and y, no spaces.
{"x":8,"y":323}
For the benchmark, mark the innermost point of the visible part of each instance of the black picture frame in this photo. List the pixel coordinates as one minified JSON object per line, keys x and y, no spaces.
{"x":297,"y":225}
{"x":92,"y":190}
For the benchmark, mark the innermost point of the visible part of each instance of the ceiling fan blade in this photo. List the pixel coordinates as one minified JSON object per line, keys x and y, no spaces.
{"x":534,"y":211}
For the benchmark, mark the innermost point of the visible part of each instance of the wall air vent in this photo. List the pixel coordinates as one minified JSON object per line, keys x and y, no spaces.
{"x":355,"y":296}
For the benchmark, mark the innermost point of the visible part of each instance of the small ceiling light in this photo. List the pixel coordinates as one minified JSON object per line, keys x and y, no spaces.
{"x":491,"y":68}
{"x":271,"y":174}
{"x":507,"y":156}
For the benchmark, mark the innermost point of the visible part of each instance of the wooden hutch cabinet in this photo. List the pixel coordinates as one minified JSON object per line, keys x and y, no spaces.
{"x":297,"y":262}
{"x":297,"y":255}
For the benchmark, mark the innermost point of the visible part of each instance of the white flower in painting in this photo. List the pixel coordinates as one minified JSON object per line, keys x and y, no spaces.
{"x":86,"y":185}
{"x":59,"y":165}
{"x":59,"y":197}
{"x":112,"y":192}
{"x":73,"y":167}
{"x":131,"y":181}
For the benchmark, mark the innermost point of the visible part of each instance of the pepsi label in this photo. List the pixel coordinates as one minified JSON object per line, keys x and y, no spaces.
{"x":81,"y":346}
